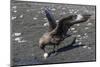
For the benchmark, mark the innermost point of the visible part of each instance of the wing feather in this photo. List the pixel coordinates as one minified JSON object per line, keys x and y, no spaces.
{"x":51,"y":19}
{"x":65,"y":23}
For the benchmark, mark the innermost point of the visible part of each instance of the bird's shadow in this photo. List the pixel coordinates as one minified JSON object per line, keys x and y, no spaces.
{"x":71,"y":46}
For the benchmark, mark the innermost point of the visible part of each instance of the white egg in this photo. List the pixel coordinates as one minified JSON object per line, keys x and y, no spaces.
{"x":45,"y":55}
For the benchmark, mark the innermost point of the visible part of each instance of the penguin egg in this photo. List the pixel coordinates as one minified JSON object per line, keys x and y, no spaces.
{"x":45,"y":55}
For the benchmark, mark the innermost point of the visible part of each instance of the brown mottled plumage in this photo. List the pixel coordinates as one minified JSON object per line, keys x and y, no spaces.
{"x":57,"y":31}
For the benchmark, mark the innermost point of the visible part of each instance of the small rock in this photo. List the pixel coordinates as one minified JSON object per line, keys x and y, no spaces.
{"x":33,"y":55}
{"x":79,"y":16}
{"x":76,"y":40}
{"x":21,"y":16}
{"x":85,"y":36}
{"x":35,"y":18}
{"x":42,"y":11}
{"x":57,"y":20}
{"x":18,"y":38}
{"x":75,"y":31}
{"x":86,"y":11}
{"x":63,"y":8}
{"x":14,"y":7}
{"x":86,"y":28}
{"x":79,"y":43}
{"x":46,"y":24}
{"x":84,"y":46}
{"x":85,"y":33}
{"x":89,"y":24}
{"x":71,"y":10}
{"x":21,"y":41}
{"x":72,"y":29}
{"x":45,"y":18}
{"x":17,"y":34}
{"x":53,"y":9}
{"x":89,"y":47}
{"x":80,"y":38}
{"x":27,"y":10}
{"x":41,"y":8}
{"x":77,"y":24}
{"x":76,"y":11}
{"x":15,"y":11}
{"x":78,"y":35}
{"x":63,"y":13}
{"x":13,"y":18}
{"x":39,"y":12}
